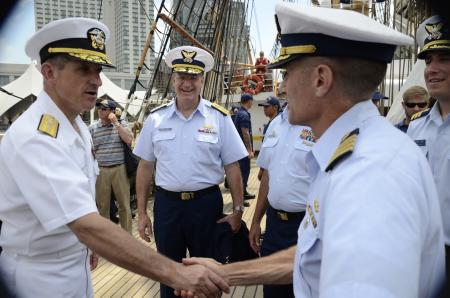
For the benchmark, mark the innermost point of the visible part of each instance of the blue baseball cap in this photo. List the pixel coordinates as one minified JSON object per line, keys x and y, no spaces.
{"x":377,"y":95}
{"x":270,"y":101}
{"x":246,"y":97}
{"x":106,"y":103}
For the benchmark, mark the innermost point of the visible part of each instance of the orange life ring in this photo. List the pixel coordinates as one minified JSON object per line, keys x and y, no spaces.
{"x":252,"y":84}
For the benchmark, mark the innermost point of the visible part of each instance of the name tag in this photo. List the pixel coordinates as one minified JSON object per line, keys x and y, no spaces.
{"x":420,"y":142}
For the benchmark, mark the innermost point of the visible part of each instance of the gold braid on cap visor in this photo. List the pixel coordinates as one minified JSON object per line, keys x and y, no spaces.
{"x":286,"y":52}
{"x":437,"y":44}
{"x":305,"y":49}
{"x":84,"y":54}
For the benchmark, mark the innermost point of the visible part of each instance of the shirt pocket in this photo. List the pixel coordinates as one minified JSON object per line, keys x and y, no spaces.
{"x":164,"y":142}
{"x":207,"y":148}
{"x":303,"y":145}
{"x":207,"y":138}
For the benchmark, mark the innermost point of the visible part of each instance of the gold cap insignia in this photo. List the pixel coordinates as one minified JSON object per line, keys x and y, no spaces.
{"x":97,"y":37}
{"x":188,"y":57}
{"x":434,"y":30}
{"x":48,"y":125}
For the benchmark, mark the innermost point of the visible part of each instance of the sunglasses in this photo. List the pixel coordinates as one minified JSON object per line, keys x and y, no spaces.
{"x":413,"y":104}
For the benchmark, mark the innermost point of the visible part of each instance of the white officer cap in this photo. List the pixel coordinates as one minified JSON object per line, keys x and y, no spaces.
{"x":81,"y":38}
{"x":189,"y":59}
{"x":318,"y":31}
{"x":433,"y":35}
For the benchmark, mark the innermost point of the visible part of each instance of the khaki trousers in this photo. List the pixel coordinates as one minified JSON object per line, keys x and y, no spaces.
{"x":115,"y":179}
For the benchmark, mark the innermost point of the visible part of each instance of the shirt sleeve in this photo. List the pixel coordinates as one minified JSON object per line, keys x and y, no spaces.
{"x":144,"y":144}
{"x":376,"y":229}
{"x":243,"y":120}
{"x":264,"y":154}
{"x":52,"y":183}
{"x":232,"y":148}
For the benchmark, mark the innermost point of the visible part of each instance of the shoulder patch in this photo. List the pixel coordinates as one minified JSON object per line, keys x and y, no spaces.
{"x":48,"y":125}
{"x":344,"y":149}
{"x":420,"y":114}
{"x":159,"y":108}
{"x":221,"y":109}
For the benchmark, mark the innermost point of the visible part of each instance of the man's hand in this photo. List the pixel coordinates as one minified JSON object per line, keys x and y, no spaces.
{"x":251,"y":154}
{"x":254,"y":237}
{"x":201,"y":278}
{"x":112,"y":117}
{"x":93,"y":260}
{"x":234,"y":220}
{"x":260,"y":173}
{"x":145,"y":227}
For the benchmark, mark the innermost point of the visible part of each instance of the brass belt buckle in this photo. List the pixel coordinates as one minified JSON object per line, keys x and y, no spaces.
{"x":187,"y":196}
{"x":283,"y":215}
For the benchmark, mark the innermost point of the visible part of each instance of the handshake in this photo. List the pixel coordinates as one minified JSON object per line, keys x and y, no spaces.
{"x":201,"y":277}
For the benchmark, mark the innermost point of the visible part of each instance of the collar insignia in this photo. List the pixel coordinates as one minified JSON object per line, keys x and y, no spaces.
{"x":188,"y":57}
{"x":420,"y":114}
{"x":345,"y":149}
{"x":48,"y":125}
{"x":97,"y":37}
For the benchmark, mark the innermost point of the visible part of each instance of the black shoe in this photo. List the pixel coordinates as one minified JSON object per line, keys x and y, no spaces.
{"x":115,"y":219}
{"x":246,"y":204}
{"x":248,"y":196}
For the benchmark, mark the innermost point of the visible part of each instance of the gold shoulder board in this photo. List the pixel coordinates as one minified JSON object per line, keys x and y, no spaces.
{"x":221,"y":109}
{"x":48,"y":125}
{"x":159,"y":107}
{"x":420,"y":114}
{"x":344,"y":149}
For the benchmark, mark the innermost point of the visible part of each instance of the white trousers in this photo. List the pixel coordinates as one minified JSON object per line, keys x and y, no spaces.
{"x":58,"y":275}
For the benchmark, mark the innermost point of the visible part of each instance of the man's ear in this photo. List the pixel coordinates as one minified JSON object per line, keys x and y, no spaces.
{"x":323,"y":79}
{"x":47,"y":71}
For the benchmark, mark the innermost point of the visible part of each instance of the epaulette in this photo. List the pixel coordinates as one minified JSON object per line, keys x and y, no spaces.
{"x":159,"y":108}
{"x":420,"y":114}
{"x":344,"y":149}
{"x":48,"y":125}
{"x":221,"y":109}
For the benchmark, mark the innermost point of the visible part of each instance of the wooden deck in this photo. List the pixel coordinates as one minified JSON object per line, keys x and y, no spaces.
{"x":112,"y":281}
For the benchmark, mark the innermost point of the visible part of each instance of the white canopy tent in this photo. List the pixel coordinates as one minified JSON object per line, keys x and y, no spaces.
{"x":31,"y":83}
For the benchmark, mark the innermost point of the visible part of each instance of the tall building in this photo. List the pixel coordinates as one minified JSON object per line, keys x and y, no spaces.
{"x":129,"y":22}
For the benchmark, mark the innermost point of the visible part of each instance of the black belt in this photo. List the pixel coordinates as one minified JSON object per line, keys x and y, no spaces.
{"x":283,"y":215}
{"x":111,"y":166}
{"x":187,"y":195}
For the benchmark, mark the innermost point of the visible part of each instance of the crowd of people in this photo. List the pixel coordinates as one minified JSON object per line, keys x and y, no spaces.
{"x":355,"y":206}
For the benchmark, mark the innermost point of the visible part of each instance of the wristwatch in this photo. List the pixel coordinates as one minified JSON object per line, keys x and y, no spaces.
{"x":239,"y":208}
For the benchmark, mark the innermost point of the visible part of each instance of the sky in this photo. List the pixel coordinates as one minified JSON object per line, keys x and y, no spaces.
{"x":19,"y":27}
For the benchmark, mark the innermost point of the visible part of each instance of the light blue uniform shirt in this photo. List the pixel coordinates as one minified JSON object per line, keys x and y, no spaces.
{"x":372,"y":226}
{"x":283,"y":155}
{"x":190,"y":153}
{"x":432,"y":134}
